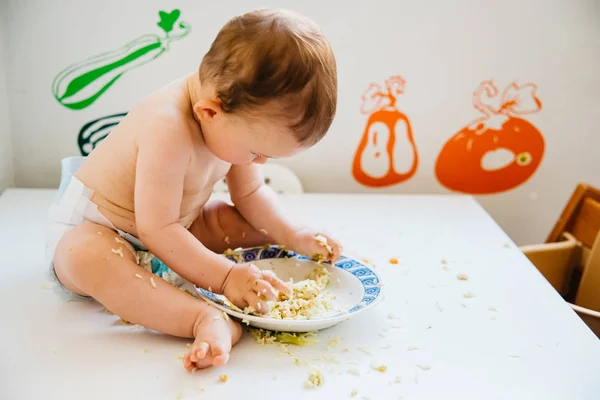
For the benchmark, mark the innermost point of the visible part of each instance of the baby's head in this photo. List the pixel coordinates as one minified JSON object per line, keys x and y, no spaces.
{"x":269,"y":87}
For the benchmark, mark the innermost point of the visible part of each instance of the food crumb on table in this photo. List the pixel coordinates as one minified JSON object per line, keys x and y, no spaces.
{"x":380,"y":368}
{"x":468,"y":295}
{"x":353,"y":393}
{"x":462,"y":277}
{"x":223,"y":378}
{"x":393,"y":261}
{"x":333,"y":342}
{"x":315,"y":379}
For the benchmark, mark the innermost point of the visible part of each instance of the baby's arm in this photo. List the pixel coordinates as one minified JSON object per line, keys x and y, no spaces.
{"x":162,"y":162}
{"x":259,"y":206}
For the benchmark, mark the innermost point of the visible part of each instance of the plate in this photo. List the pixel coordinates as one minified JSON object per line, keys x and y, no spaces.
{"x":354,"y":284}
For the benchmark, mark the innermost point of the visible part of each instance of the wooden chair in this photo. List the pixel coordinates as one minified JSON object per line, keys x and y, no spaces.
{"x":570,"y":258}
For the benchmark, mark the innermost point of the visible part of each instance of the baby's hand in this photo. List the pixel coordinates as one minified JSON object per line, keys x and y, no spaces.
{"x":311,"y":243}
{"x":246,"y":285}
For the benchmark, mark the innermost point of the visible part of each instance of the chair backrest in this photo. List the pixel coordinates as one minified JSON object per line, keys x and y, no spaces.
{"x":580,"y":217}
{"x":278,"y":177}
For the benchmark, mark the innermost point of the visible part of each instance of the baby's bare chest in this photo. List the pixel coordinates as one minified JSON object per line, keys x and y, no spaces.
{"x":198,"y":185}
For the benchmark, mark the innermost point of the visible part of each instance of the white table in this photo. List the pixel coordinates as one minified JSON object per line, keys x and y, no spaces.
{"x":532,"y":347}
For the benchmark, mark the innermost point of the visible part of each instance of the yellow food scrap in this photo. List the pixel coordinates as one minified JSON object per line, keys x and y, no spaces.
{"x":345,"y":350}
{"x":145,"y":350}
{"x":117,"y":251}
{"x":492,"y":308}
{"x":462,"y":277}
{"x":393,"y":261}
{"x":138,"y":276}
{"x":263,"y":336}
{"x":315,"y":379}
{"x":180,"y":396}
{"x":323,"y":242}
{"x":153,"y":283}
{"x":333,"y":342}
{"x":380,"y":368}
{"x":297,"y":361}
{"x":468,"y":295}
{"x":99,"y":233}
{"x":119,"y":240}
{"x":353,"y":393}
{"x":223,"y":378}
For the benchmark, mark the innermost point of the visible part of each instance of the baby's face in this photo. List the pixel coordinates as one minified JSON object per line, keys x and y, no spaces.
{"x":239,"y":140}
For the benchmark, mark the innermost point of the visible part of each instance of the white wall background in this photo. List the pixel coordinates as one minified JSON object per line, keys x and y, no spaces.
{"x":443,"y":49}
{"x":6,"y":160}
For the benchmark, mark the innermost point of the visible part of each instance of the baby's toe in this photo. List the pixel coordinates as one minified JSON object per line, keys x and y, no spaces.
{"x":187,"y":363}
{"x":201,"y":350}
{"x":220,"y":352}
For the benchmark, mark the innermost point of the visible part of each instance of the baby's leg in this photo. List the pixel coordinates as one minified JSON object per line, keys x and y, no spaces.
{"x":92,"y":260}
{"x":221,"y":226}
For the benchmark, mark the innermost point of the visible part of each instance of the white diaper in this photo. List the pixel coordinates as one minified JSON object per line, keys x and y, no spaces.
{"x":73,"y":206}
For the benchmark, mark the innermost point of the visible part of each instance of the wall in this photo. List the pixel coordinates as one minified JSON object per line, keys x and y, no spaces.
{"x":443,"y":50}
{"x":6,"y":165}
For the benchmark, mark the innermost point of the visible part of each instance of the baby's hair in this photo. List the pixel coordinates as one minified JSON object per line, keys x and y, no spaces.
{"x":279,"y":59}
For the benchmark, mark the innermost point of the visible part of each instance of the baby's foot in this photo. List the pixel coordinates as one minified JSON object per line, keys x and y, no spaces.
{"x":215,"y":335}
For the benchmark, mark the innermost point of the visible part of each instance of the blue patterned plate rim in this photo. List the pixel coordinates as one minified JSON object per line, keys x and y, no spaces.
{"x":369,"y":279}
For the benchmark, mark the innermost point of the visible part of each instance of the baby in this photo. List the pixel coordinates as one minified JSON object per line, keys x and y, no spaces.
{"x":267,"y":88}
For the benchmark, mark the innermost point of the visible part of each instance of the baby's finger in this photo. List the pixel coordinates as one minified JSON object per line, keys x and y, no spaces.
{"x":277,"y":283}
{"x":255,"y":302}
{"x":337,"y":252}
{"x":264,"y":289}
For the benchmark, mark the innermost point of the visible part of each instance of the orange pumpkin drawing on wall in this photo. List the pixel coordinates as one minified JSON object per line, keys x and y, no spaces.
{"x":386,"y":154}
{"x":499,"y":151}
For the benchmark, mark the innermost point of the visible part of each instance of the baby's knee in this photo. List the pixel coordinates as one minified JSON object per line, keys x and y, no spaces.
{"x":218,"y":214}
{"x":84,"y":248}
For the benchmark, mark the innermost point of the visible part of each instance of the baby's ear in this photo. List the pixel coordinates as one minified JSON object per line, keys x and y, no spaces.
{"x":206,"y":110}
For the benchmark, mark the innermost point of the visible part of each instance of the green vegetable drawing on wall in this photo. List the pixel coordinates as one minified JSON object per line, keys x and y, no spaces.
{"x":80,"y":85}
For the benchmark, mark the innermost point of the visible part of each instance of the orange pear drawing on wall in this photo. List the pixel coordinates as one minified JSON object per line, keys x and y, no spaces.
{"x":386,"y":154}
{"x":499,"y":151}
